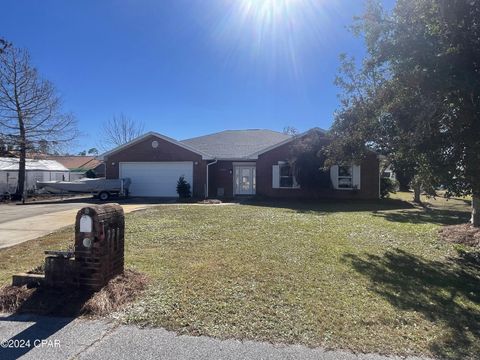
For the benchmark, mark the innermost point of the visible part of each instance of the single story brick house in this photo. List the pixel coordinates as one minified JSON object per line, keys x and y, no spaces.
{"x":231,"y":163}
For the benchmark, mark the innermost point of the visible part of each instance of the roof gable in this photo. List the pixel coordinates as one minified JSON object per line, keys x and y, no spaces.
{"x":139,"y":139}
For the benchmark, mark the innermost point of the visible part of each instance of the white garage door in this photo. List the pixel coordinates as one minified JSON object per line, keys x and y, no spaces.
{"x":156,"y":178}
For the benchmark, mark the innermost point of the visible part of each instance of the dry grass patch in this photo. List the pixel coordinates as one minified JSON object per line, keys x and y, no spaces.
{"x":464,"y":234}
{"x":119,"y":292}
{"x":12,"y":297}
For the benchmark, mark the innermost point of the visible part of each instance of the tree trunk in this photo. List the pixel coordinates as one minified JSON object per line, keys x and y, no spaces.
{"x":23,"y":152}
{"x":21,"y":167}
{"x":416,"y":193}
{"x":476,"y":210}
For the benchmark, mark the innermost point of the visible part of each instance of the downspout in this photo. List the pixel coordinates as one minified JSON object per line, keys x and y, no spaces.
{"x":208,"y":165}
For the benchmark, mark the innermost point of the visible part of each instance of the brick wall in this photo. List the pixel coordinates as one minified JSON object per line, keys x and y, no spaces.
{"x":221,"y":176}
{"x":369,"y":178}
{"x":166,"y":151}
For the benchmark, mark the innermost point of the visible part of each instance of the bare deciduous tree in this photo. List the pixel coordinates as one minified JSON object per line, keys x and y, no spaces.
{"x":120,"y":130}
{"x":3,"y":45}
{"x":30,"y":109}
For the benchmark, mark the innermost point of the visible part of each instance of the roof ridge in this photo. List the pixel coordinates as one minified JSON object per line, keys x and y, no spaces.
{"x":231,"y":130}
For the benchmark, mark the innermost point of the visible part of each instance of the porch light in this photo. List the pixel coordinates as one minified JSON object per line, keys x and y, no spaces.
{"x":87,"y":242}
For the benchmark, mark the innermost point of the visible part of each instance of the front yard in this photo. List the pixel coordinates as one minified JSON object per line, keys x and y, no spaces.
{"x":367,"y":276}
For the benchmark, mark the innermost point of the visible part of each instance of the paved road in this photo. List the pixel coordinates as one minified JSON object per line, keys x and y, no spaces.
{"x":12,"y":212}
{"x":19,"y":223}
{"x":86,"y":339}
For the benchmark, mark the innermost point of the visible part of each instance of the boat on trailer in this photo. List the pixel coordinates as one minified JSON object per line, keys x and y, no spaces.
{"x":103,"y":188}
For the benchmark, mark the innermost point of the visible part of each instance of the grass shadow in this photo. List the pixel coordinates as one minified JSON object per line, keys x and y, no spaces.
{"x":394,"y":210}
{"x":446,"y":293}
{"x":441,"y":211}
{"x":424,"y":216}
{"x":331,"y":205}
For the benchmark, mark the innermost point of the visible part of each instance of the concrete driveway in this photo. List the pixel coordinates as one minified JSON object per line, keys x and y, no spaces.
{"x":19,"y":223}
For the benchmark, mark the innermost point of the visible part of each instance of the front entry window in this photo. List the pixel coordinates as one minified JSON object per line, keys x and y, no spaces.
{"x":245,"y":180}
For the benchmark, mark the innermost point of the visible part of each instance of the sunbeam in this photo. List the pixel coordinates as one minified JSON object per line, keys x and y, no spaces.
{"x":273,"y":32}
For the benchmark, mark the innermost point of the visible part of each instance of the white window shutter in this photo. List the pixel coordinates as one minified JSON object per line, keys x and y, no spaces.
{"x":334,"y":176}
{"x":275,"y":176}
{"x":356,"y":176}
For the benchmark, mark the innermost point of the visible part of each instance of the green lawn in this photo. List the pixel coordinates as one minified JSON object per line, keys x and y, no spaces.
{"x":368,"y":276}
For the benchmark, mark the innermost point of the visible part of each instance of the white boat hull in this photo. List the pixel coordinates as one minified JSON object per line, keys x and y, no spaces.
{"x":95,"y":186}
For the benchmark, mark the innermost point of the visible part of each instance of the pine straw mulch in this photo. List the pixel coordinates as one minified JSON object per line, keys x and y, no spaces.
{"x":119,"y":291}
{"x":464,"y":234}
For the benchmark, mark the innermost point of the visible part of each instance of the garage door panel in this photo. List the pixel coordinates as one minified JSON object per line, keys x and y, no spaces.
{"x":156,"y":178}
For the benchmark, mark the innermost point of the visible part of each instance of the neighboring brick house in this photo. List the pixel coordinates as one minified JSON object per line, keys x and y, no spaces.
{"x":228,"y":164}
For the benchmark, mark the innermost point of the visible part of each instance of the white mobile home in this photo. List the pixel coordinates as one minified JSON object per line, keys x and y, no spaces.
{"x":36,"y":170}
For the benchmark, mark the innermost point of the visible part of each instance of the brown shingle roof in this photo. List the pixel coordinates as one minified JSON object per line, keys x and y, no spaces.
{"x":76,"y":162}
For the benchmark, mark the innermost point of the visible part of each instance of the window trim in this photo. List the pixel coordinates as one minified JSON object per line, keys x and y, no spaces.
{"x":345,"y":177}
{"x":295,"y":185}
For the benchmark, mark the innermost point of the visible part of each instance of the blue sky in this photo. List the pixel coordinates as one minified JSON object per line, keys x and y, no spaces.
{"x":188,"y":67}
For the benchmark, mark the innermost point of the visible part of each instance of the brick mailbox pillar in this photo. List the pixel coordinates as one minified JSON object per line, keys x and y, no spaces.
{"x":99,"y":245}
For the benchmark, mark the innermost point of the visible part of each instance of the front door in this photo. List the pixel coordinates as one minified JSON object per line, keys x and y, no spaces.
{"x":245,"y":180}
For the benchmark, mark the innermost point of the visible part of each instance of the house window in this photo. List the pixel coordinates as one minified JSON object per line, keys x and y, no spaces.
{"x":287,"y":179}
{"x":345,"y":177}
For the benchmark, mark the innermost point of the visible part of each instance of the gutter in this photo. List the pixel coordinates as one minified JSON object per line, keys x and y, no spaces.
{"x":208,"y":165}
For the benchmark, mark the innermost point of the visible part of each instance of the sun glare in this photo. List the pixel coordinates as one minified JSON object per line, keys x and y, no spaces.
{"x":273,"y":31}
{"x":267,"y":10}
